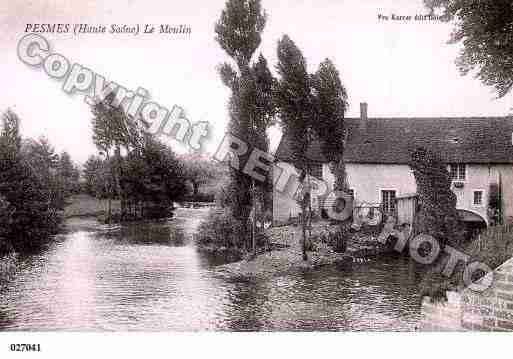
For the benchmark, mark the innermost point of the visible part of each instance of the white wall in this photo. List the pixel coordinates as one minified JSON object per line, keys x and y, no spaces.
{"x":367,"y":180}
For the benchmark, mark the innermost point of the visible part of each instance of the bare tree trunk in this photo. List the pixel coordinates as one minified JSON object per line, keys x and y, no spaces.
{"x":109,"y":189}
{"x":303,"y":225}
{"x":253,"y":225}
{"x":117,"y":181}
{"x":309,"y":223}
{"x":304,"y":199}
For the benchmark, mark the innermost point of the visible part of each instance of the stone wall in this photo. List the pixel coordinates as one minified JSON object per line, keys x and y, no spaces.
{"x":491,"y":310}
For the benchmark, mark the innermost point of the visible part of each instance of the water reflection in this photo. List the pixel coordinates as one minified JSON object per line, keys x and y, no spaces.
{"x":150,"y":277}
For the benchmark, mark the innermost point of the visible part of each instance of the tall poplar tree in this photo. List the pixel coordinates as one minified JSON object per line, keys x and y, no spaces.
{"x":295,"y":102}
{"x":239,"y":33}
{"x":330,"y":106}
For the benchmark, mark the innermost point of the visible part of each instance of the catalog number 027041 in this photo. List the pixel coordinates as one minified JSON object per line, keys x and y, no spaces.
{"x":25,"y":347}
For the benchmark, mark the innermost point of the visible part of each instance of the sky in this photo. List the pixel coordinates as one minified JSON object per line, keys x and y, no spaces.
{"x":403,"y":69}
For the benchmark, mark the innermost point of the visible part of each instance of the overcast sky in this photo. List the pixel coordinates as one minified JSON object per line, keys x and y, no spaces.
{"x":400,"y":69}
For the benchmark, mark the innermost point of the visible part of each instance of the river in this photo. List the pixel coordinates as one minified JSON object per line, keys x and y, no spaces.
{"x":151,"y":278}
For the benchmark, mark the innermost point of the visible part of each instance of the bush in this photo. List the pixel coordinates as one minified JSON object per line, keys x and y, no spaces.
{"x":220,"y":229}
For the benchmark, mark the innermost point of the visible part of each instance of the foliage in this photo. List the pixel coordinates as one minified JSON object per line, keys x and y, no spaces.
{"x":29,"y":207}
{"x":5,"y":221}
{"x":239,"y":29}
{"x":94,"y":177}
{"x":238,"y":32}
{"x":485,"y":28}
{"x":221,"y":229}
{"x":69,"y":173}
{"x":331,"y":103}
{"x":162,"y":181}
{"x":437,"y":215}
{"x":147,"y":178}
{"x":293,"y":98}
{"x":199,"y":171}
{"x":44,"y":161}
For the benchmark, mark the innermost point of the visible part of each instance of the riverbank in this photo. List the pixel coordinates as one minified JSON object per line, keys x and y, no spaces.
{"x":288,"y":257}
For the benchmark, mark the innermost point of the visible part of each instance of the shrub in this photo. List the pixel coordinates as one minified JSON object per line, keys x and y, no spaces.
{"x":220,"y":229}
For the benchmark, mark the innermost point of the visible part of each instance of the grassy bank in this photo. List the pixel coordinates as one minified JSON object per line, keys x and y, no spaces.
{"x":83,"y":205}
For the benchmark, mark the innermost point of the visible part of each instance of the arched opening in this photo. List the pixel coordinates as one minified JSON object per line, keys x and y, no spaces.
{"x":473,"y":222}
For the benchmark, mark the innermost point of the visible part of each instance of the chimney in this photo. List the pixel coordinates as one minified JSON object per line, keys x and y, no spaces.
{"x":363,"y":116}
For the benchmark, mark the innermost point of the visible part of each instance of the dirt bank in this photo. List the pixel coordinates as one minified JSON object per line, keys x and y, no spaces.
{"x":288,"y":258}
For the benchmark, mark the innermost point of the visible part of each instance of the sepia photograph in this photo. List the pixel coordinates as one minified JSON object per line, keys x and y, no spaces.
{"x":199,"y":172}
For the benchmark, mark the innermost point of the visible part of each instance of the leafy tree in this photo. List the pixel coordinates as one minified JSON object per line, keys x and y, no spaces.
{"x":485,"y":29}
{"x":42,"y":155}
{"x":239,"y":29}
{"x":331,"y":103}
{"x":155,"y":176}
{"x":198,"y":171}
{"x":238,"y":32}
{"x":94,"y":181}
{"x":110,"y":131}
{"x":5,"y":222}
{"x":43,"y":159}
{"x":32,"y":216}
{"x":68,"y":173}
{"x":294,"y":100}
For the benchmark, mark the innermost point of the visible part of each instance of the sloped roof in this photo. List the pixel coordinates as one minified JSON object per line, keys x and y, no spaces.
{"x":392,"y":140}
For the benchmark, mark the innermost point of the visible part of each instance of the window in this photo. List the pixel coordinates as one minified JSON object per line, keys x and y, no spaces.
{"x":478,"y":198}
{"x":458,"y":171}
{"x":388,"y":200}
{"x":315,"y":170}
{"x":351,"y":192}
